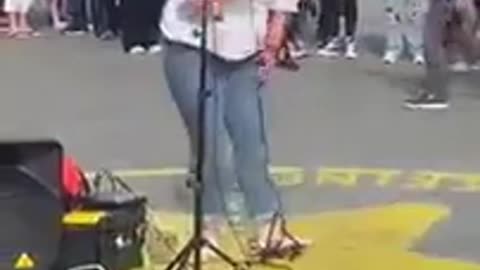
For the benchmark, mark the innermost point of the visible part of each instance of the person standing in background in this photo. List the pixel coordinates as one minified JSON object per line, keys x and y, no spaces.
{"x":448,"y":25}
{"x":405,"y":19}
{"x":140,"y":26}
{"x":77,"y":18}
{"x":105,"y":17}
{"x":56,"y":10}
{"x":331,"y":43}
{"x":326,"y":21}
{"x":17,"y":17}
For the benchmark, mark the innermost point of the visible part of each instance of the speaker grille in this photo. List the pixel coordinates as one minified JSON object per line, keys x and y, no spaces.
{"x":30,"y":219}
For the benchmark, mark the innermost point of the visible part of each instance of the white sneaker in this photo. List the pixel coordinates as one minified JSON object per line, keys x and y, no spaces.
{"x":350,"y":52}
{"x":155,"y":49}
{"x":136,"y":50}
{"x":299,"y":53}
{"x":460,"y":66}
{"x":419,"y":59}
{"x":328,"y":53}
{"x":475,"y":67}
{"x":390,"y":57}
{"x":333,"y":44}
{"x":331,"y":49}
{"x":59,"y":26}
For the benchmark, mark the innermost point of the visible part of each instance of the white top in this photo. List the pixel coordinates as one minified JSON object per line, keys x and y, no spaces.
{"x":238,"y":36}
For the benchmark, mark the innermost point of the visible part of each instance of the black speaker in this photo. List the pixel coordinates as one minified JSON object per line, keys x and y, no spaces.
{"x":31,"y":205}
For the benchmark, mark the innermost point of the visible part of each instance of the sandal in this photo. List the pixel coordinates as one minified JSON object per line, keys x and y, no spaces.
{"x":285,"y":247}
{"x":278,"y":242}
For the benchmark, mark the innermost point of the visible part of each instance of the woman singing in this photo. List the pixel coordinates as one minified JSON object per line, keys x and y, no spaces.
{"x":240,"y":36}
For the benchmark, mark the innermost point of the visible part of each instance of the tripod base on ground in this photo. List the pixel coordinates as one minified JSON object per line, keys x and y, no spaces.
{"x":181,"y":259}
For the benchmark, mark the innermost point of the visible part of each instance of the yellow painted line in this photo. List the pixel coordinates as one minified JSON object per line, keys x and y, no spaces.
{"x":350,"y":177}
{"x":426,"y":180}
{"x":288,"y":176}
{"x":419,"y":180}
{"x":146,"y":173}
{"x":284,"y":176}
{"x":373,"y":238}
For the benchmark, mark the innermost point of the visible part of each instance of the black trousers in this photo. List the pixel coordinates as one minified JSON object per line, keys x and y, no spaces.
{"x":139,"y":22}
{"x":105,"y":16}
{"x":77,"y":13}
{"x":329,"y":21}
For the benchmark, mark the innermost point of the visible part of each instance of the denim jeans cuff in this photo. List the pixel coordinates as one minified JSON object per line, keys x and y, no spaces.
{"x":264,"y":218}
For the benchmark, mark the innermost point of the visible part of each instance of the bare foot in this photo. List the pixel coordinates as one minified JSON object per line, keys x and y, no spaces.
{"x":12,"y":33}
{"x":22,"y":35}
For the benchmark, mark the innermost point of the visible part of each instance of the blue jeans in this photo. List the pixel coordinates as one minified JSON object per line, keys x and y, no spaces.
{"x":236,"y":146}
{"x":405,"y":19}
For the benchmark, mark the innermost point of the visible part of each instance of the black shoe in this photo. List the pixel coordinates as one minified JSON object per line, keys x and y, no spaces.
{"x":427,"y":101}
{"x":107,"y":36}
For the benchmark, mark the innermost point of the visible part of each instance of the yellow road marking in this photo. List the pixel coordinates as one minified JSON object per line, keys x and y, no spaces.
{"x":288,"y":176}
{"x":420,"y":180}
{"x":349,"y":177}
{"x":283,"y":176}
{"x":374,"y":238}
{"x":426,"y":180}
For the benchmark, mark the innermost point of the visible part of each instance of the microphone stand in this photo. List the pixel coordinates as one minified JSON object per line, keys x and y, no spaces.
{"x":198,"y":241}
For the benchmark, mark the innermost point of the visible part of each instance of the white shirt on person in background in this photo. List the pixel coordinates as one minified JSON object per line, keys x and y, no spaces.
{"x":238,"y":36}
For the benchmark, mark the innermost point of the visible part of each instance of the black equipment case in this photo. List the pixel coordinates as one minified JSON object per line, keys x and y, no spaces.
{"x":108,"y":231}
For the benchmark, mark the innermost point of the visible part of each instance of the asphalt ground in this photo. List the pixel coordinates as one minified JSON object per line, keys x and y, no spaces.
{"x":341,"y":141}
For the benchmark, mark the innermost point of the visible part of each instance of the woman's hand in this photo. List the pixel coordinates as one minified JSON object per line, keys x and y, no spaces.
{"x":272,"y":43}
{"x":267,"y":61}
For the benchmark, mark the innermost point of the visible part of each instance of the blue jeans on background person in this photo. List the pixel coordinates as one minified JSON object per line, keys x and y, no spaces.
{"x":405,"y":20}
{"x":236,"y":148}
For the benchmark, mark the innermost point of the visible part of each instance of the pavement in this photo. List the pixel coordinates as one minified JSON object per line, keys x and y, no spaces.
{"x":341,"y":143}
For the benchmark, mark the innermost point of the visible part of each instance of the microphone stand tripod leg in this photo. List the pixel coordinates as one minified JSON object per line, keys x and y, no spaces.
{"x":181,"y":259}
{"x":229,"y":260}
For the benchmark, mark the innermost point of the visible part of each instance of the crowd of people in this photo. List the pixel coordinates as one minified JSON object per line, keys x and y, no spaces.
{"x":134,"y":22}
{"x":404,"y":24}
{"x":137,"y":21}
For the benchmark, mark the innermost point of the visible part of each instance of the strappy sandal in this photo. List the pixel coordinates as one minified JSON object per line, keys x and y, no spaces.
{"x":285,"y":247}
{"x":281,"y":246}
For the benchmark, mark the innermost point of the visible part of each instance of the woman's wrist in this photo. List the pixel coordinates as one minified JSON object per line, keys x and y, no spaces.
{"x":275,"y":31}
